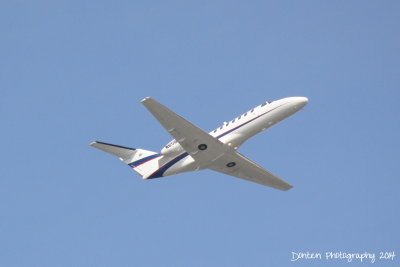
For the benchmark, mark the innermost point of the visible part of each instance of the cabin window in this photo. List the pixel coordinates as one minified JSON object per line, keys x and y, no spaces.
{"x":239,"y":117}
{"x":215,"y":130}
{"x":264,"y":104}
{"x":252,"y":110}
{"x":227,"y":124}
{"x":221,"y":127}
{"x":245,"y":114}
{"x":233,"y":120}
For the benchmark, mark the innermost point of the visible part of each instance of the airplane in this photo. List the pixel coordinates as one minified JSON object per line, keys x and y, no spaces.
{"x":193,"y":149}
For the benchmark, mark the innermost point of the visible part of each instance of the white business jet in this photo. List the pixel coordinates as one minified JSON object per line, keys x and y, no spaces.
{"x":194,"y":149}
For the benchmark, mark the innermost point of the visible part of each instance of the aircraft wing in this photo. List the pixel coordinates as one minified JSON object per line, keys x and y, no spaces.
{"x":246,"y":169}
{"x":188,"y":135}
{"x":208,"y":151}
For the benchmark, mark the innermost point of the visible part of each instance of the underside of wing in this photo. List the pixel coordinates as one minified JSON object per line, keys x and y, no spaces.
{"x":237,"y":165}
{"x":203,"y":147}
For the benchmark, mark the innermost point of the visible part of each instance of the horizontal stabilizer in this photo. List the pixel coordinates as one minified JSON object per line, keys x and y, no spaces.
{"x":119,"y":151}
{"x":140,"y":160}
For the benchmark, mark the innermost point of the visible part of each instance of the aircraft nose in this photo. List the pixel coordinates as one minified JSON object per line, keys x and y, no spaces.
{"x":300,"y":101}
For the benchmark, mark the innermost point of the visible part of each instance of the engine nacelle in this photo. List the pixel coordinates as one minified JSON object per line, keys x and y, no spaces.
{"x":172,"y":148}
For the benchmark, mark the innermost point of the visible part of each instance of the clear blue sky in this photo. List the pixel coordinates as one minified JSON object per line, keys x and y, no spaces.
{"x":72,"y":72}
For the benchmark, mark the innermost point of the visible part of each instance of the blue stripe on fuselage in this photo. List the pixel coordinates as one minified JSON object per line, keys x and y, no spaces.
{"x":143,"y":160}
{"x":160,"y":172}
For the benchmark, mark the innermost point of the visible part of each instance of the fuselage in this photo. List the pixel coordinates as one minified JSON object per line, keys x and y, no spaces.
{"x":235,"y":132}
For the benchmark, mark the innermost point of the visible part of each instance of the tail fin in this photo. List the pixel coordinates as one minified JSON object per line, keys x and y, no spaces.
{"x":139,"y":160}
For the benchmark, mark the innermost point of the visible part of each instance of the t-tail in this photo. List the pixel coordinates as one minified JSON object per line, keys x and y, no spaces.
{"x":142,"y":161}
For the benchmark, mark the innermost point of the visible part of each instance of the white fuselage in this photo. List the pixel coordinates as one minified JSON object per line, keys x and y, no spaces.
{"x":234,"y":133}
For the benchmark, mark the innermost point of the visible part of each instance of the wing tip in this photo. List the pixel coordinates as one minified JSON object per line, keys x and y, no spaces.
{"x":286,"y":188}
{"x":145,"y":99}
